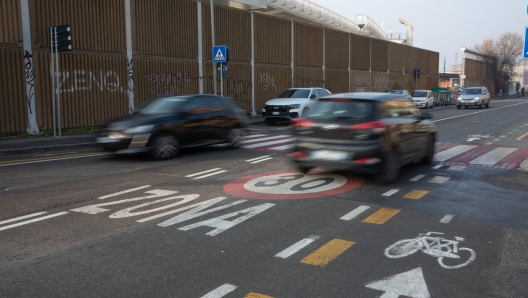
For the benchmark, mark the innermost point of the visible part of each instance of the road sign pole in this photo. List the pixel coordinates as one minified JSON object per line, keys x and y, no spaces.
{"x":213,"y":43}
{"x":221,"y":79}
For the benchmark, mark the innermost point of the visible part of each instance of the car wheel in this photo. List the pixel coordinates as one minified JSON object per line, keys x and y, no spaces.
{"x":305,"y":112}
{"x":480,"y":106}
{"x":465,"y":107}
{"x":303,"y":169}
{"x":426,"y":105}
{"x":487,"y":104}
{"x":429,"y":154}
{"x":164,"y":147}
{"x":391,"y":168}
{"x":235,"y":137}
{"x":458,"y":107}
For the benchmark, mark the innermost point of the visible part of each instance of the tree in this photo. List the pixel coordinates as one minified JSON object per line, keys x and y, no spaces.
{"x":508,"y":50}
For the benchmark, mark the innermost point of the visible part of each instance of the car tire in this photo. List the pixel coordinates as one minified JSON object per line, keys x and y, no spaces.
{"x":426,"y":105}
{"x":429,"y":154}
{"x":390,"y":168}
{"x":458,"y":107}
{"x":487,"y":104}
{"x":432,"y":105}
{"x":165,"y":147}
{"x":235,"y":137}
{"x":303,"y":169}
{"x":480,"y":106}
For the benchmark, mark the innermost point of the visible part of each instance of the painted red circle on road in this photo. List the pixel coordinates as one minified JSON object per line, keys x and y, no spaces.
{"x":298,"y":186}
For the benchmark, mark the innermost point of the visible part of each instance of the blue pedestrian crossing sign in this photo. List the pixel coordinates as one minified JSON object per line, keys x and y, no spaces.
{"x":219,"y":54}
{"x":525,"y":53}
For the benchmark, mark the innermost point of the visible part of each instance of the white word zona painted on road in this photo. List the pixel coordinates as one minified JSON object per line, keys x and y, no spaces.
{"x":192,"y":211}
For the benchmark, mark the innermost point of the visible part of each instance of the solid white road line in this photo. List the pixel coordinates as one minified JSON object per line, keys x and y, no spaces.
{"x":284,"y":147}
{"x":296,"y":247}
{"x":269,"y":143}
{"x":22,"y":217}
{"x":266,"y":139}
{"x":53,"y":159}
{"x":257,"y":158}
{"x":447,"y":218}
{"x":32,"y":221}
{"x":492,"y":157}
{"x":452,"y":152}
{"x":261,"y":160}
{"x":390,"y":192}
{"x":354,"y":213}
{"x":478,"y":112}
{"x":417,"y":178}
{"x":212,"y":174}
{"x":196,"y":174}
{"x":122,"y":192}
{"x":220,"y":291}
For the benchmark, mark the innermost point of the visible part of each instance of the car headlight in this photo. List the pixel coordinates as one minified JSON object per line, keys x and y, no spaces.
{"x":140,"y":129}
{"x":295,"y":106}
{"x":459,"y":98}
{"x":477,"y":98}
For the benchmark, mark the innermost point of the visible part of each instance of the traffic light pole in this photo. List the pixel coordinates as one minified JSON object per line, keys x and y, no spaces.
{"x":58,"y":81}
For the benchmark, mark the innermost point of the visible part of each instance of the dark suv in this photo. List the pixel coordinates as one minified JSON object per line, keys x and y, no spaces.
{"x":364,"y":132}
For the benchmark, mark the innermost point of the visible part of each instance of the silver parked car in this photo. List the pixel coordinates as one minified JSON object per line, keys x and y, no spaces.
{"x":474,"y":97}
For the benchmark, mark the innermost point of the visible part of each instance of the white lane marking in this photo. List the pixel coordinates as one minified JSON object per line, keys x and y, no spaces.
{"x":260,"y":160}
{"x":515,"y":130}
{"x":220,"y":291}
{"x":390,"y":192}
{"x":503,"y":136}
{"x":257,"y":158}
{"x":524,"y":165}
{"x":408,"y":284}
{"x":456,"y":168}
{"x":437,"y":167}
{"x":354,"y":213}
{"x":54,"y":159}
{"x":266,"y":139}
{"x":196,"y":174}
{"x":439,"y":179}
{"x":255,"y":136}
{"x":284,"y":147}
{"x":478,"y":112}
{"x":510,"y":133}
{"x":32,"y":221}
{"x":212,"y":174}
{"x":269,"y":143}
{"x":495,"y":140}
{"x":447,"y":218}
{"x":296,"y":247}
{"x":488,"y":143}
{"x":22,"y":217}
{"x":492,"y":157}
{"x":452,"y":152}
{"x":417,"y":178}
{"x":122,"y":192}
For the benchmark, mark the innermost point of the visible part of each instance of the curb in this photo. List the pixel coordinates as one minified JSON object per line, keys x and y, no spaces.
{"x":43,"y":149}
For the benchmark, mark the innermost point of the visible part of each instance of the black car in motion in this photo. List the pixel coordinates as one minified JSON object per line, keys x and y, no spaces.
{"x":364,"y":132}
{"x":167,"y":124}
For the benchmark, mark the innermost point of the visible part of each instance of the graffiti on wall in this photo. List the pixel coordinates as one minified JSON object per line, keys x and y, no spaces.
{"x":361,"y":80}
{"x":303,"y":82}
{"x":239,"y":90}
{"x":30,"y":79}
{"x":81,"y":80}
{"x":385,"y":83}
{"x":130,"y":67}
{"x":267,"y":81}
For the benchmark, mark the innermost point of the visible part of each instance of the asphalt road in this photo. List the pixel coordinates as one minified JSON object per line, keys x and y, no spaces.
{"x":216,"y":222}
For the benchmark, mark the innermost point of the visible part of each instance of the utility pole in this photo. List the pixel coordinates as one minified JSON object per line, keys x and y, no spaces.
{"x":445,"y":56}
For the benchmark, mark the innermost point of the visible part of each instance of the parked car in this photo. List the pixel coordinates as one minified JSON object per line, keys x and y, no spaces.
{"x":400,"y":92}
{"x":423,"y":98}
{"x":473,"y":97}
{"x":290,"y":104}
{"x":365,"y":132}
{"x":167,"y":124}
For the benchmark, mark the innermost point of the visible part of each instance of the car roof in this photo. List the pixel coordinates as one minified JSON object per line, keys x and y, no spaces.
{"x":375,"y":96}
{"x":306,"y":88}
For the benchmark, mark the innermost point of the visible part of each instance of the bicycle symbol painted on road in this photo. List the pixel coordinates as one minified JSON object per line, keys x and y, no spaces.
{"x":437,"y":247}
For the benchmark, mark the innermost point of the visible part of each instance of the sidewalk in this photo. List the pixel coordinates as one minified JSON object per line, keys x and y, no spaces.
{"x":40,"y":144}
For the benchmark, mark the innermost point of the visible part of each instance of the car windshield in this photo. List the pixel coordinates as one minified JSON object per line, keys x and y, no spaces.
{"x":419,"y":94}
{"x":471,"y":91}
{"x":164,"y":105}
{"x":295,"y":93}
{"x":396,"y":91}
{"x":341,"y":109}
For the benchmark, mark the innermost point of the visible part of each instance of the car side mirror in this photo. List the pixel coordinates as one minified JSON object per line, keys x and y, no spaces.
{"x":313,"y":96}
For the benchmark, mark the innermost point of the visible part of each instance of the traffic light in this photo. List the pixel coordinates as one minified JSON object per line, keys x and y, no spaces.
{"x":417,"y":73}
{"x":61,"y":35}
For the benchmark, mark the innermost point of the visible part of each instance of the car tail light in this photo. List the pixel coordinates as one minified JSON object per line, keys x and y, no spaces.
{"x":297,"y":155}
{"x":375,"y":126}
{"x":301,"y":122}
{"x":368,"y":160}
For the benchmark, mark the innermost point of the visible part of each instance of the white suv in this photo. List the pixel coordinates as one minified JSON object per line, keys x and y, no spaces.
{"x":292,"y":103}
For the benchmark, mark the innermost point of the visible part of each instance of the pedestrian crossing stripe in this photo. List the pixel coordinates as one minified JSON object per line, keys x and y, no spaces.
{"x":219,"y":55}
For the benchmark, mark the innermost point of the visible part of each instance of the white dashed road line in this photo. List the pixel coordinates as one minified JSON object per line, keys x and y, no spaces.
{"x":417,"y":178}
{"x":390,"y":192}
{"x":123,"y":192}
{"x":220,"y":291}
{"x":296,"y":247}
{"x":354,"y":213}
{"x":447,"y":218}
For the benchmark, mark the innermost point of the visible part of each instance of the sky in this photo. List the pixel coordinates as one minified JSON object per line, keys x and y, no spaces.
{"x":443,"y":26}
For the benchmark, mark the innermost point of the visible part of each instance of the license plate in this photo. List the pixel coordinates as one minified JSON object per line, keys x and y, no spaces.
{"x":275,"y":113}
{"x":329,"y":155}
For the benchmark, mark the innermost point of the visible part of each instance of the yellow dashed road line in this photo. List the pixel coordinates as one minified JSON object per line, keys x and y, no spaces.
{"x":416,"y":194}
{"x":327,"y":252}
{"x":257,"y":295}
{"x":381,"y":216}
